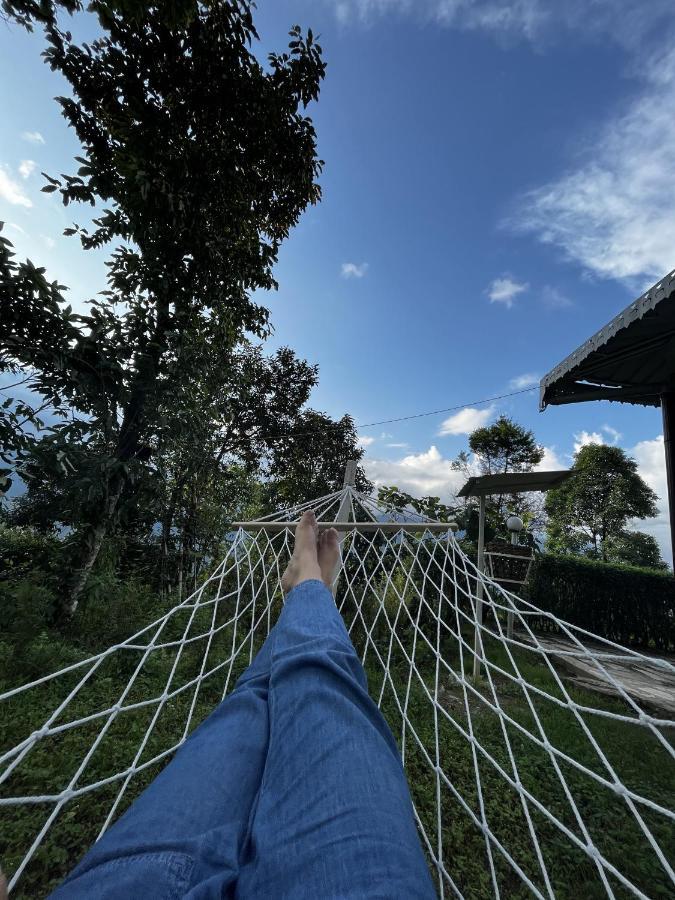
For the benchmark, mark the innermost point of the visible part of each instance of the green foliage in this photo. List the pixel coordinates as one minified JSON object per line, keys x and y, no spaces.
{"x":635,"y":548}
{"x":314,"y":451}
{"x":430,"y":507}
{"x":505,"y":446}
{"x":29,"y":576}
{"x":595,"y":504}
{"x":500,"y":448}
{"x":198,"y":164}
{"x":629,"y":605}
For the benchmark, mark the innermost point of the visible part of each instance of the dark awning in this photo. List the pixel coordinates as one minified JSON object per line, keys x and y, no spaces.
{"x":632,"y":359}
{"x":513,"y":483}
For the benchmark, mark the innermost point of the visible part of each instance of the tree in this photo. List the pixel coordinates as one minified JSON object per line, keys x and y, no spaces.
{"x":216,"y":432}
{"x":210,"y":440}
{"x":308,"y":459}
{"x":635,"y":548}
{"x":590,"y":510}
{"x":198,"y":161}
{"x":505,"y":446}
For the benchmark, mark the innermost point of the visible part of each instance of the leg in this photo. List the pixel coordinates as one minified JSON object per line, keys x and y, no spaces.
{"x":334,"y":817}
{"x":184,"y":834}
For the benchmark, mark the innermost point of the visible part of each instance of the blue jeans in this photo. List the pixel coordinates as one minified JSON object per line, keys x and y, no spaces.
{"x":292,"y":788}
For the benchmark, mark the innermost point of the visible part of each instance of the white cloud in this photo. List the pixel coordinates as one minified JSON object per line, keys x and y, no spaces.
{"x":365,"y":441}
{"x":49,"y":241}
{"x":343,"y":11}
{"x":613,"y":433}
{"x":552,"y":298}
{"x":11,"y":191}
{"x":353,"y":270}
{"x":652,"y":467}
{"x":26,"y":167}
{"x":419,"y":474}
{"x":33,"y":137}
{"x":504,"y":289}
{"x":613,"y":213}
{"x":625,"y":21}
{"x":521,"y":382}
{"x":400,"y":446}
{"x":522,"y":17}
{"x":465,"y":421}
{"x":584,"y":438}
{"x":551,"y":462}
{"x":16,"y":227}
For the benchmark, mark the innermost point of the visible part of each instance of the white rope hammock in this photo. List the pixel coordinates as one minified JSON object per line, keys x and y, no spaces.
{"x":477,"y":751}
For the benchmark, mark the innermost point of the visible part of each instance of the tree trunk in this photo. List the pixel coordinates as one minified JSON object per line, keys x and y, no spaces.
{"x":144,"y":385}
{"x":94,"y":540}
{"x":189,"y":539}
{"x":180,"y":571}
{"x":167,"y":525}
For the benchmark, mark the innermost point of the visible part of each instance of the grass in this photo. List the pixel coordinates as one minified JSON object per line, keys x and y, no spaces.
{"x":640,"y":762}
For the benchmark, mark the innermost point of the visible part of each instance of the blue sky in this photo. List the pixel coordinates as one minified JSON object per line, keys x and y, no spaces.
{"x":498,"y":185}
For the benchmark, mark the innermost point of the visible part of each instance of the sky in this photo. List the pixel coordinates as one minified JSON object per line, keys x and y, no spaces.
{"x":497,"y":186}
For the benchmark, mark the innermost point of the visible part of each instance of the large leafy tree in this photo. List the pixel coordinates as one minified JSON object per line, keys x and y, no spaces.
{"x":211,"y":439}
{"x":307,"y":458}
{"x":589,"y":512}
{"x":216,"y":439}
{"x":505,"y":446}
{"x":198,"y":160}
{"x":500,"y":448}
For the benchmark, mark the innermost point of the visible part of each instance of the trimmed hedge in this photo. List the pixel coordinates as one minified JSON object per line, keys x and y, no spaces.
{"x":629,"y":605}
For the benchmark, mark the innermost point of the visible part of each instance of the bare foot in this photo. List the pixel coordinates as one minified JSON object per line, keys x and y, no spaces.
{"x":304,"y":563}
{"x":329,"y":556}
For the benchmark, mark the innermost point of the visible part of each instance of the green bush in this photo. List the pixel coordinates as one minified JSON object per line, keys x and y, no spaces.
{"x":626,"y":604}
{"x":29,"y":566}
{"x":23,"y":549}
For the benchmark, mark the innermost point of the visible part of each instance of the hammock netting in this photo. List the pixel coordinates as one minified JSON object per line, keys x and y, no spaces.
{"x":523,"y":782}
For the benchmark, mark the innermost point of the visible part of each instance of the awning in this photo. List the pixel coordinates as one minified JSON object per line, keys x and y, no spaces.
{"x":513,"y":483}
{"x":631,"y":359}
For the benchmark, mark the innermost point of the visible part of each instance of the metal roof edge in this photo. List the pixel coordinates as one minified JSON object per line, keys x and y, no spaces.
{"x":646,"y":302}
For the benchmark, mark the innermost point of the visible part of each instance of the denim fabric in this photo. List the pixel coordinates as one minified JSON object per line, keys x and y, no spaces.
{"x":292,"y":788}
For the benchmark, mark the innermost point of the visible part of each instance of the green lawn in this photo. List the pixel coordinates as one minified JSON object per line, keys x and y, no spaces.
{"x":640,"y":762}
{"x":638,"y":759}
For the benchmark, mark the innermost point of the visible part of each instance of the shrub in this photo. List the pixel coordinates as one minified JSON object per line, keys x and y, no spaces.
{"x":29,"y":566}
{"x":24,"y":551}
{"x":626,"y":604}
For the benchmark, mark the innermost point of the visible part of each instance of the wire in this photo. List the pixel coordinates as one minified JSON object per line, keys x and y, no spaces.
{"x":434,"y":412}
{"x":437,"y":412}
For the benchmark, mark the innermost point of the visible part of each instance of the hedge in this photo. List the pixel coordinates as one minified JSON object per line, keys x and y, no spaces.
{"x":632,"y":606}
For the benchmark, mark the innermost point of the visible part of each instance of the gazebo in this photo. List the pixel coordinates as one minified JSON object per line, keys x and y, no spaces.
{"x":630,"y":360}
{"x":483,"y":486}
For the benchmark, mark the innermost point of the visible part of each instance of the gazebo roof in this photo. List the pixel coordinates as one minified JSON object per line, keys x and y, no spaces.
{"x":513,"y":483}
{"x":631,"y":359}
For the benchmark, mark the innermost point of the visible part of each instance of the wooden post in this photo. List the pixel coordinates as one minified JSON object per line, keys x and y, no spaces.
{"x":350,"y":474}
{"x":668,"y":413}
{"x":346,"y":500}
{"x":510,"y":615}
{"x":344,"y":510}
{"x":479,"y":588}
